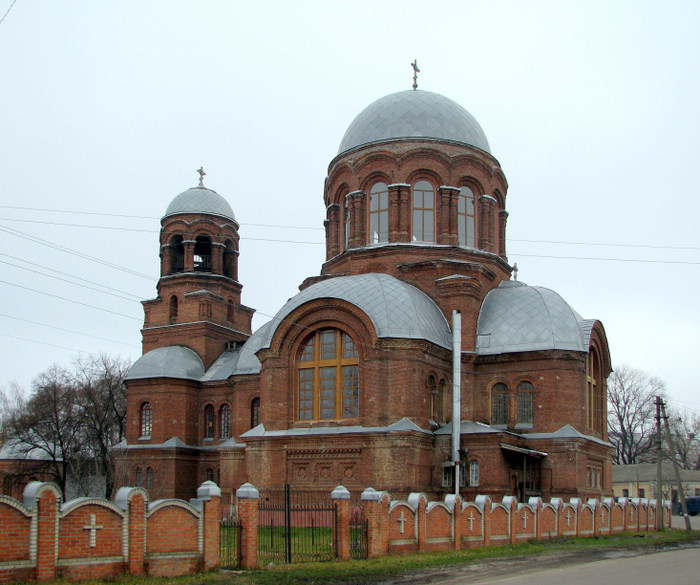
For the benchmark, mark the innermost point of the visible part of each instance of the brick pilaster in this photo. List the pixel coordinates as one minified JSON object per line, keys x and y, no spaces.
{"x":44,"y":499}
{"x":210,"y":494}
{"x":419,"y":502}
{"x":134,"y":501}
{"x":376,"y":507}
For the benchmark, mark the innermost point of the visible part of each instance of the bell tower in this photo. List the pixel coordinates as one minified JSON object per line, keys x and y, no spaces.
{"x":199,"y":295}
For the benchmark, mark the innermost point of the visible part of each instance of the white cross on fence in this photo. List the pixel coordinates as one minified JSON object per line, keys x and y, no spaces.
{"x":93,"y":527}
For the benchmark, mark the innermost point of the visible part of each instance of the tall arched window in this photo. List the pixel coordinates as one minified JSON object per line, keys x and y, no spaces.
{"x":146,"y":420}
{"x":474,"y":473}
{"x":466,"y":218}
{"x":328,"y":377}
{"x":202,"y":253}
{"x":499,"y":404}
{"x":378,"y":213}
{"x":423,"y":212}
{"x":525,"y":403}
{"x":209,"y":422}
{"x":177,"y":254}
{"x":149,"y":478}
{"x":230,"y":311}
{"x":225,"y":421}
{"x":595,"y":399}
{"x":172,"y":310}
{"x":442,"y":397}
{"x":346,"y":225}
{"x":138,"y":479}
{"x":230,"y":260}
{"x":432,"y":399}
{"x":255,"y":412}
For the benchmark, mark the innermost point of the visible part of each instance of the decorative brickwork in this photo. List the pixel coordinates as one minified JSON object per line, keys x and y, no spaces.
{"x":92,"y":538}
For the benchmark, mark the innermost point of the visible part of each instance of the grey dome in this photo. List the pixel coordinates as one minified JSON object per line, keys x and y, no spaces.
{"x":200,"y":200}
{"x":414,"y":114}
{"x":515,"y":317}
{"x":174,"y":361}
{"x":396,"y":309}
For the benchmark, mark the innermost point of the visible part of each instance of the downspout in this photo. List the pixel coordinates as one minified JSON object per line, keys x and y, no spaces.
{"x":456,"y":391}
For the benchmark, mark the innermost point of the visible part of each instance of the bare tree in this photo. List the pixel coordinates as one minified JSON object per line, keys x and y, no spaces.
{"x":101,"y":394}
{"x":47,"y":426}
{"x":631,"y":412}
{"x":70,"y":423}
{"x":685,"y":428}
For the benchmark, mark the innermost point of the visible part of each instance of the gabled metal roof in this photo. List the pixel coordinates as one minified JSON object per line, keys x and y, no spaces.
{"x":395,"y":308}
{"x":515,"y":317}
{"x":414,"y":114}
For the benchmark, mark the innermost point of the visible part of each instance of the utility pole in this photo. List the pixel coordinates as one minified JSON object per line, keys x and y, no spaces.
{"x":672,"y":449}
{"x":659,"y":474}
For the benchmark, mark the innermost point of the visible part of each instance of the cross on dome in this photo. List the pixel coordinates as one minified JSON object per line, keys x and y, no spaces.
{"x":416,"y":71}
{"x":201,"y":176}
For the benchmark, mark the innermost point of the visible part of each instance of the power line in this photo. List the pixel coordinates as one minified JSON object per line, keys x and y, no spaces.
{"x":66,"y":250}
{"x":67,"y":330}
{"x":43,"y":343}
{"x":4,"y":16}
{"x":41,"y":292}
{"x":605,"y":259}
{"x":119,"y":296}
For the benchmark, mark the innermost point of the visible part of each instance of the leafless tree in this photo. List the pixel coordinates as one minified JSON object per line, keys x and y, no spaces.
{"x":631,"y":423}
{"x":685,"y":428}
{"x":71,"y":421}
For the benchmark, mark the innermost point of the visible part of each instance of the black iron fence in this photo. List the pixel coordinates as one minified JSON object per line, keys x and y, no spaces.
{"x":359,"y":527}
{"x":295,"y":527}
{"x":230,"y":533}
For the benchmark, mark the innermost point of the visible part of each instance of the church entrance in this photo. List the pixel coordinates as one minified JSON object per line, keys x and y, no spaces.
{"x":524,"y":471}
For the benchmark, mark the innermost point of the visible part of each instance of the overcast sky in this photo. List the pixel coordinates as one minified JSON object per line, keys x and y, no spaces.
{"x":108,"y":108}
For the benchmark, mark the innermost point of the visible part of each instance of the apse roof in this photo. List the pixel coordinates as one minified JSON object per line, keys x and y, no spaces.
{"x":396,"y":309}
{"x":200,"y":200}
{"x":414,"y":114}
{"x":173,"y":361}
{"x":515,"y":317}
{"x":240,"y":361}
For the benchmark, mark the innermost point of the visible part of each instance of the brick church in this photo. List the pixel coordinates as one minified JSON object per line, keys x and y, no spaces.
{"x":352,"y":381}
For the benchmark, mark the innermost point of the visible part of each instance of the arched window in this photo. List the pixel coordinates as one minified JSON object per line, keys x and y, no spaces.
{"x":525,"y":403}
{"x":255,"y":412}
{"x":595,"y":399}
{"x":432,"y":399}
{"x":173,"y":310}
{"x":465,"y":218}
{"x":378,"y":213}
{"x":230,"y":311}
{"x":177,"y":254}
{"x":225,"y":421}
{"x":138,"y":479}
{"x":230,"y":260}
{"x":474,"y":473}
{"x":328,"y":377}
{"x":346,"y":225}
{"x":202,"y":253}
{"x":149,"y":478}
{"x":210,"y":474}
{"x":146,"y":420}
{"x":442,"y":396}
{"x":499,"y":404}
{"x":209,"y":422}
{"x":423,"y":212}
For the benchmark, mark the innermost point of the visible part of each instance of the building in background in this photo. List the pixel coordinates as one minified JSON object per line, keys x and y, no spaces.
{"x":351,"y":382}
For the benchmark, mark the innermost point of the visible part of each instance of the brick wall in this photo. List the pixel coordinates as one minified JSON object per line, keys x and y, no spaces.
{"x":416,"y":525}
{"x":91,"y":538}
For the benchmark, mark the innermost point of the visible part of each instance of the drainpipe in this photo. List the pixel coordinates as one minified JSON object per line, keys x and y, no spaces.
{"x":456,"y":391}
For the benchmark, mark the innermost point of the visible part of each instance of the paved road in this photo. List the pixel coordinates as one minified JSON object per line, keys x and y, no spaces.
{"x":679,"y":522}
{"x":677,"y":567}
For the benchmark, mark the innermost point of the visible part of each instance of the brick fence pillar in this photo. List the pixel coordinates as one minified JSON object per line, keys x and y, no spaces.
{"x":134,"y":501}
{"x":484,"y":503}
{"x":341,"y":502}
{"x":454,"y":503}
{"x":376,"y":507}
{"x":210,"y":495}
{"x":44,"y":499}
{"x":536,"y":504}
{"x":419,"y":502}
{"x":248,"y":499}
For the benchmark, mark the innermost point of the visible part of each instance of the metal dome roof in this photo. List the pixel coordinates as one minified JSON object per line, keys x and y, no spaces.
{"x":414,"y":114}
{"x":515,"y":317}
{"x":200,"y":200}
{"x":174,"y":361}
{"x":396,"y":309}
